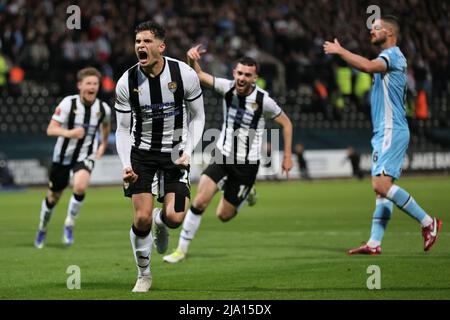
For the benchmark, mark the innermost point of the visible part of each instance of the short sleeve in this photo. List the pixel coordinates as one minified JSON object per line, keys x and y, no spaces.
{"x":271,"y":109}
{"x":122,"y":103}
{"x":222,"y":86}
{"x":192,"y":88}
{"x":61,"y":113}
{"x":389,"y":57}
{"x":385,"y":58}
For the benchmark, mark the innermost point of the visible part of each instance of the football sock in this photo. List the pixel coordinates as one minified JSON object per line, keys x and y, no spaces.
{"x":75,"y":203}
{"x":381,"y":216}
{"x":190,"y":226}
{"x":46,"y":214}
{"x":141,"y":243}
{"x":160,"y":218}
{"x":406,"y":202}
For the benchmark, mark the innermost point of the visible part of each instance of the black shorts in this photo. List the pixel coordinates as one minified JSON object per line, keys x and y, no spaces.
{"x":236,"y":180}
{"x":169,"y":178}
{"x":60,"y":174}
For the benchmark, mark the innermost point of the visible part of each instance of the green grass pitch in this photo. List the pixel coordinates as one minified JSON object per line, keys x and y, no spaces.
{"x":291,"y":245}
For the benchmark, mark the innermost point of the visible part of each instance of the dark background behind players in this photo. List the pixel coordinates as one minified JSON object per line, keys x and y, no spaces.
{"x":39,"y":56}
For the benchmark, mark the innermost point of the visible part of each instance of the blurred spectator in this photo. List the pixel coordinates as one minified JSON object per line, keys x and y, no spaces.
{"x":6,"y":177}
{"x":302,"y":164}
{"x":355,"y":160}
{"x":285,"y":37}
{"x":4,"y":68}
{"x":16,"y":78}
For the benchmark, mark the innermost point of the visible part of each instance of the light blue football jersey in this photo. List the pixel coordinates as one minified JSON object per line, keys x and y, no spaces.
{"x":389,"y":93}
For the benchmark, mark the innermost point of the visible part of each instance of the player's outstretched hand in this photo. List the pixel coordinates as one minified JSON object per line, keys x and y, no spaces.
{"x":286,"y":166}
{"x":332,"y":47}
{"x":129,"y":175}
{"x":195,"y":53}
{"x":183,"y":161}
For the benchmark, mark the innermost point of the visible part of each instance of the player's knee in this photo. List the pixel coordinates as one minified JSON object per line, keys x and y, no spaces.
{"x":174,"y":219}
{"x":53,"y":197}
{"x":79,"y":189}
{"x":142,"y":219}
{"x":225,"y":215}
{"x":200,"y":202}
{"x":380,"y":188}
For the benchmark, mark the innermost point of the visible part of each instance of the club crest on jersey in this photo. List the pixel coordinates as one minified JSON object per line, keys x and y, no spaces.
{"x":172,"y":86}
{"x":98,"y":114}
{"x":254,"y":106}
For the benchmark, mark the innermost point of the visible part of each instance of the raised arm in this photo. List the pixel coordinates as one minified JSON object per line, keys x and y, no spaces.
{"x":356,"y":61}
{"x":193,"y":55}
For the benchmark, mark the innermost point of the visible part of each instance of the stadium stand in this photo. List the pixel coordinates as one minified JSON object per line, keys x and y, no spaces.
{"x":285,"y":36}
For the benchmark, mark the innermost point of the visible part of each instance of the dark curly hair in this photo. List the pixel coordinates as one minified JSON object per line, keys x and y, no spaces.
{"x":154,"y":27}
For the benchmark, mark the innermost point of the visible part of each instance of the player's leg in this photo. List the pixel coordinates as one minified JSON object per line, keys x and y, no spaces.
{"x":240,"y":182}
{"x":392,"y":160}
{"x":58,"y":180}
{"x":170,"y":216}
{"x":141,"y":239}
{"x":404,"y":201}
{"x":386,"y":167}
{"x":207,"y":188}
{"x":81,"y":178}
{"x":380,"y":220}
{"x":383,"y":206}
{"x":176,"y":189}
{"x":140,"y":192}
{"x":226,"y":210}
{"x":381,"y":216}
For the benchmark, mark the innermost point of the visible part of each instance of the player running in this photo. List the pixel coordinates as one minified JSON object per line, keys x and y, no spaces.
{"x":236,"y":162}
{"x":154,"y":100}
{"x":75,"y":122}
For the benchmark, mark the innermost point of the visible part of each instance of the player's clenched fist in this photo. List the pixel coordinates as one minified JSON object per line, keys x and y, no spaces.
{"x":129,"y":175}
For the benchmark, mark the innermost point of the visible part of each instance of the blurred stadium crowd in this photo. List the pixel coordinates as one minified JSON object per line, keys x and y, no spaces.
{"x":39,"y":55}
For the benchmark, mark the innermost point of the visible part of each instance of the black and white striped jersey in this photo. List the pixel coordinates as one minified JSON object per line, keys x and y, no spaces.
{"x":157,"y":104}
{"x":72,"y":113}
{"x":243,"y":120}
